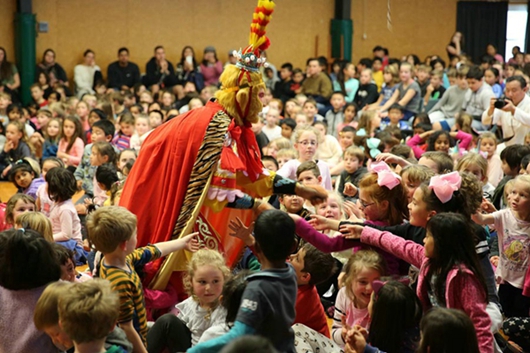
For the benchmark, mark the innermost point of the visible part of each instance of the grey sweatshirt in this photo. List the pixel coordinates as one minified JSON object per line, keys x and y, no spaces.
{"x":451,"y":102}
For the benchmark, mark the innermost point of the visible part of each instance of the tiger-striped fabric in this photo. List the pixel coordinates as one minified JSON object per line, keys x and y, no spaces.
{"x":206,"y":161}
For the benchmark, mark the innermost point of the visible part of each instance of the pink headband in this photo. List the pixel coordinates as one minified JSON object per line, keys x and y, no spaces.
{"x":385,"y":176}
{"x":445,"y":185}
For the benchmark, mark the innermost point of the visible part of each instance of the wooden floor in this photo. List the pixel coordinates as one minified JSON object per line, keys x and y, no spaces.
{"x":8,"y":189}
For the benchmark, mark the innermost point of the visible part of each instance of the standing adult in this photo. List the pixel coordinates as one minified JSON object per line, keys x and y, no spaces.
{"x":9,"y":77}
{"x":514,"y":117}
{"x":188,"y":70}
{"x":122,"y":75}
{"x":491,"y":50}
{"x":159,"y":73}
{"x":455,"y":47}
{"x":84,"y":74}
{"x":211,"y":67}
{"x":52,"y":69}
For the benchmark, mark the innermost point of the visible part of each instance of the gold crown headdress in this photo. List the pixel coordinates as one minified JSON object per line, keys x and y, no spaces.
{"x":250,"y":59}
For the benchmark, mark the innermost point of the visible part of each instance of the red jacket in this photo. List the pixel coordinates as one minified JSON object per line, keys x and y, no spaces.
{"x":309,"y":310}
{"x":462,"y":290}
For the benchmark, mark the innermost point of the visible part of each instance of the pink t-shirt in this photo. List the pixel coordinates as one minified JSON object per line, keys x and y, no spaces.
{"x":76,"y":152}
{"x":46,"y":203}
{"x":288,"y":170}
{"x":65,"y":222}
{"x":514,"y":247}
{"x":354,"y":316}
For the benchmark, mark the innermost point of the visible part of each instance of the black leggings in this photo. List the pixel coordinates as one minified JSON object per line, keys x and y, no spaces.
{"x":168,"y":332}
{"x":513,"y":302}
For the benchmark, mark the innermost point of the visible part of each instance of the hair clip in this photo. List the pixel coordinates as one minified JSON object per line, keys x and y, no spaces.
{"x":445,"y":185}
{"x":385,"y":176}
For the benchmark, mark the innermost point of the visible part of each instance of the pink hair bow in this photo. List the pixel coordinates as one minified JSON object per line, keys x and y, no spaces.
{"x":385,"y":176}
{"x":445,"y":185}
{"x":483,"y":154}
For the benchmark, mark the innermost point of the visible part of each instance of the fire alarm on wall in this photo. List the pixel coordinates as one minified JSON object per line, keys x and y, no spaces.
{"x":42,"y":27}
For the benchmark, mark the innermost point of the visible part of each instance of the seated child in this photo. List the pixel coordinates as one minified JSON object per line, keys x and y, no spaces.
{"x":395,"y":116}
{"x":36,"y":221}
{"x":288,"y":125}
{"x":106,"y":176}
{"x":25,"y":174}
{"x":117,"y":241}
{"x":268,"y":304}
{"x":17,"y":205}
{"x":312,"y":267}
{"x":102,"y":131}
{"x":270,"y":163}
{"x":87,"y":315}
{"x":351,"y":305}
{"x":43,"y":201}
{"x":511,"y":158}
{"x":122,"y":139}
{"x":353,"y":170}
{"x":346,"y":137}
{"x":204,"y":282}
{"x":438,"y":162}
{"x":65,"y":221}
{"x":231,"y":300}
{"x":23,"y":278}
{"x":307,"y":173}
{"x":142,"y":130}
{"x":285,"y":155}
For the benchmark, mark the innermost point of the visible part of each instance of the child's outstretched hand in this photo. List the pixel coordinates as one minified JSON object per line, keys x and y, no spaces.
{"x":345,"y":328}
{"x":240,"y":231}
{"x":319,"y":222}
{"x":356,"y":341}
{"x":191,"y":241}
{"x":350,"y":190}
{"x":353,"y":211}
{"x":351,"y":231}
{"x":487,"y":206}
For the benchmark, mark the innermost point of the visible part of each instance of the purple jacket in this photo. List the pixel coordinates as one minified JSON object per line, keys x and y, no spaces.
{"x":33,"y":187}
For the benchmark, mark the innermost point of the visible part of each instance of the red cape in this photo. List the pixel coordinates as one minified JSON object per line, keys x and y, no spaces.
{"x":158,"y":182}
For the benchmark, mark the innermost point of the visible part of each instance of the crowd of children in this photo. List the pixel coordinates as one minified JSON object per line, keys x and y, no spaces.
{"x":422,"y":244}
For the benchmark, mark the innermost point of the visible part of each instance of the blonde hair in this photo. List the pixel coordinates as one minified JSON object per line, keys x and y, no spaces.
{"x":11,"y":203}
{"x":46,"y":312}
{"x":88,"y":311}
{"x":201,"y":258}
{"x":281,"y":143}
{"x":358,"y":261}
{"x":396,"y":197}
{"x":105,"y":233}
{"x":525,"y":178}
{"x":298,"y":132}
{"x":287,"y":153}
{"x":236,"y":88}
{"x":365,"y":121}
{"x":354,"y":151}
{"x":391,"y":69}
{"x":474,"y":159}
{"x":338,"y":197}
{"x":22,"y":129}
{"x":38,"y":222}
{"x":487,"y":135}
